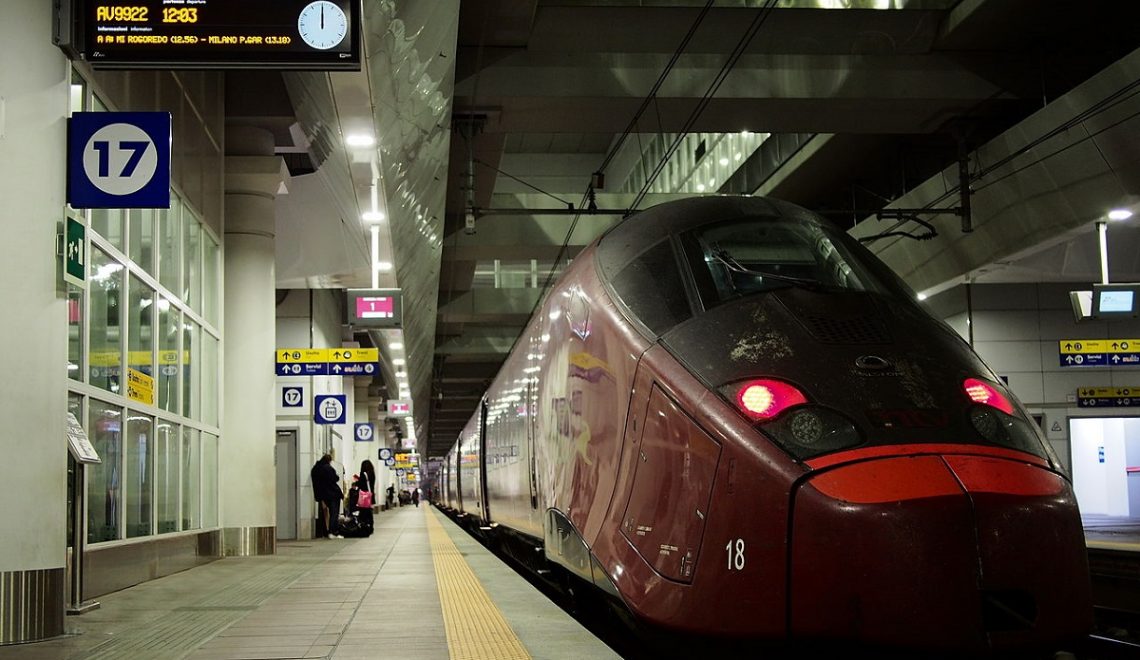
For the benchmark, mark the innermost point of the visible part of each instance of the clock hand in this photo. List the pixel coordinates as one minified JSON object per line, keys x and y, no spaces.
{"x":322,"y":17}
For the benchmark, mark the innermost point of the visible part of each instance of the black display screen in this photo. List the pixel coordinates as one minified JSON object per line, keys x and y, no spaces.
{"x":235,"y":34}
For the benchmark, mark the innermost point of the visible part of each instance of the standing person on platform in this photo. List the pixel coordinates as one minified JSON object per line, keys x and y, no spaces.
{"x":326,"y":490}
{"x":391,"y":496}
{"x":416,"y":497}
{"x":366,"y":483}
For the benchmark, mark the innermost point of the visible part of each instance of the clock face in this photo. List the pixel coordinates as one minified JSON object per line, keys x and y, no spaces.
{"x":322,"y":24}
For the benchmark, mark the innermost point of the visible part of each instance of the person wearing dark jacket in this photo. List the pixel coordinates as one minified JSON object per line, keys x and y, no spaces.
{"x":326,"y":491}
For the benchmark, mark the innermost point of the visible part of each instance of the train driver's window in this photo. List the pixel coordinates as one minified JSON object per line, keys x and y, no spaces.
{"x":651,"y":287}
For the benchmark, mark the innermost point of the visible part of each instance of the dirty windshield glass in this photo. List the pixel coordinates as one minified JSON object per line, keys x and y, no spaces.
{"x":755,"y":255}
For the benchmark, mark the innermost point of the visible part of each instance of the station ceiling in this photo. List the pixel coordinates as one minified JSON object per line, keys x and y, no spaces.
{"x":500,"y":112}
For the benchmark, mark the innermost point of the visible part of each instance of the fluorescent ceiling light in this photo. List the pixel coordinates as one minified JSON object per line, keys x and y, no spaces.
{"x":372,"y":216}
{"x":383,"y":266}
{"x":396,"y":346}
{"x":398,"y":362}
{"x":359,"y":140}
{"x":1119,"y":214}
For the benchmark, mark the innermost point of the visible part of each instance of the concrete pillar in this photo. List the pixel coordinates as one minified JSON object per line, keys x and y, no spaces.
{"x":33,"y":332}
{"x":247,"y":480}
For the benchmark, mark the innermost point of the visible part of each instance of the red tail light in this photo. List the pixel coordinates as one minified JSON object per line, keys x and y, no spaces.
{"x":764,"y":399}
{"x":982,"y":392}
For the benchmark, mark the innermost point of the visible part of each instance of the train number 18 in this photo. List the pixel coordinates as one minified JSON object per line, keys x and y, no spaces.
{"x":735,"y":549}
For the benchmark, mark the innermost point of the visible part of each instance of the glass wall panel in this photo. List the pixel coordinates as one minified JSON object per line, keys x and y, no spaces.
{"x":210,"y":268}
{"x":104,"y":324}
{"x":191,"y":370}
{"x":166,"y":475}
{"x":140,"y":464}
{"x":141,"y":251}
{"x":140,"y":326}
{"x":209,"y":378}
{"x":209,"y":480}
{"x":191,"y":479}
{"x":103,"y":486}
{"x":108,"y":223}
{"x":192,"y":243}
{"x":169,"y":320}
{"x":75,"y":297}
{"x":78,"y":95}
{"x":170,"y":246}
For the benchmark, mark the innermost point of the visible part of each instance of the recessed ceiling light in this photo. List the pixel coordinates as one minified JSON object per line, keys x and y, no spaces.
{"x":396,"y":346}
{"x":398,"y":361}
{"x":384,"y":266}
{"x":724,"y":161}
{"x":1119,"y":214}
{"x":372,"y":216}
{"x":359,"y":140}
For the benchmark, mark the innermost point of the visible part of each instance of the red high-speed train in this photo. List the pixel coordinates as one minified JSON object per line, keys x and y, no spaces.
{"x":732,"y":417}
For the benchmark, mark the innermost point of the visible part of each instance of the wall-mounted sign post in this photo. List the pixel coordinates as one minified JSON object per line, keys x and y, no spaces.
{"x":81,"y":449}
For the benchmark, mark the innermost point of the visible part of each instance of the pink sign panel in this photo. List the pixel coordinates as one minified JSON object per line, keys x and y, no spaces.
{"x":378,"y":307}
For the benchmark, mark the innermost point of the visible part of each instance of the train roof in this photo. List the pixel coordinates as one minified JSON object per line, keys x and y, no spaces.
{"x":628,"y":239}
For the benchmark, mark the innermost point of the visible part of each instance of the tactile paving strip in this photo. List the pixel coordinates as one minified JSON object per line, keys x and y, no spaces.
{"x":476,"y":630}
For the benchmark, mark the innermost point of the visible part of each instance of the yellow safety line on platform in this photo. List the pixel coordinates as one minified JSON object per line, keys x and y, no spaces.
{"x":476,"y":630}
{"x":1114,"y":545}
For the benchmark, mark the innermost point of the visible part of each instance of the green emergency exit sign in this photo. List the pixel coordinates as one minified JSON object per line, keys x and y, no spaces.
{"x":75,"y":252}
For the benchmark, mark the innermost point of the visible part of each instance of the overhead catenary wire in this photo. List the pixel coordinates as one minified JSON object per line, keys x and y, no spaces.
{"x":615,"y":148}
{"x":1106,"y":103}
{"x":742,"y":45}
{"x":525,"y":183}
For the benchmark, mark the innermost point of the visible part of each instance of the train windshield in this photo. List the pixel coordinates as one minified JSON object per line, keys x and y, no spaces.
{"x":752,"y":255}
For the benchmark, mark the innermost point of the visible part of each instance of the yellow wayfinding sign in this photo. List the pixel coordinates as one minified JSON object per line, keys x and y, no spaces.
{"x":327,"y":361}
{"x":140,"y":387}
{"x":347,"y":355}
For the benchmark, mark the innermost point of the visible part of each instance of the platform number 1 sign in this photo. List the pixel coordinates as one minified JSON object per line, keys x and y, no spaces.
{"x":118,"y":160}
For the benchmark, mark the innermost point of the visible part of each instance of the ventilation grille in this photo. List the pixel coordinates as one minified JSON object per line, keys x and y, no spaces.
{"x":856,"y":330}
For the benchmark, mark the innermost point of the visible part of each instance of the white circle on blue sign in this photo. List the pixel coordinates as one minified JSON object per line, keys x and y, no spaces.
{"x":291,"y":397}
{"x":369,"y":368}
{"x":169,"y":370}
{"x":390,"y":461}
{"x":363,"y":431}
{"x":120,"y":159}
{"x":296,"y":369}
{"x":330,"y":410}
{"x":385,"y":454}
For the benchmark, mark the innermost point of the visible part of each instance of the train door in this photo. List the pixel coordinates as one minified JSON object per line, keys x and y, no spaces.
{"x":458,"y":474}
{"x":531,"y":433}
{"x":485,"y":509}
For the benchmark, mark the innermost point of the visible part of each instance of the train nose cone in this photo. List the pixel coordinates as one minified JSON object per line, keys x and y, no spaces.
{"x":953,"y":552}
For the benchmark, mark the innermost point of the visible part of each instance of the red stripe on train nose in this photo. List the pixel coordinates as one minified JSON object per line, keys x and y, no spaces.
{"x":888,"y":480}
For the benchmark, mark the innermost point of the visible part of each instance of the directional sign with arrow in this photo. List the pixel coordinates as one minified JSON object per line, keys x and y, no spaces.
{"x":1108,"y":397}
{"x":1098,"y":352}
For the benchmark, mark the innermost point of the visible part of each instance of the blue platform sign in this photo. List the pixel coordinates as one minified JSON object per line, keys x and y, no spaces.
{"x":329,"y":408}
{"x":293,"y":397}
{"x":364,"y":432}
{"x":118,"y":160}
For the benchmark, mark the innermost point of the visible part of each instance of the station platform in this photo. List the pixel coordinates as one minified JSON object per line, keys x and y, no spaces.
{"x":419,"y":588}
{"x":1111,"y":532}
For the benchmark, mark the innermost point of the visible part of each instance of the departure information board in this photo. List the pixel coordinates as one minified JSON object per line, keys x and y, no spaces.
{"x":283,"y":34}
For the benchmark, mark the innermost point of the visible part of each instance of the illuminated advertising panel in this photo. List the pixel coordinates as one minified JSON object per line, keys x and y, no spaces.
{"x":284,"y":34}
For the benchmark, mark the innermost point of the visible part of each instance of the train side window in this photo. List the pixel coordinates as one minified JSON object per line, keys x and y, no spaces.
{"x":652,"y":288}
